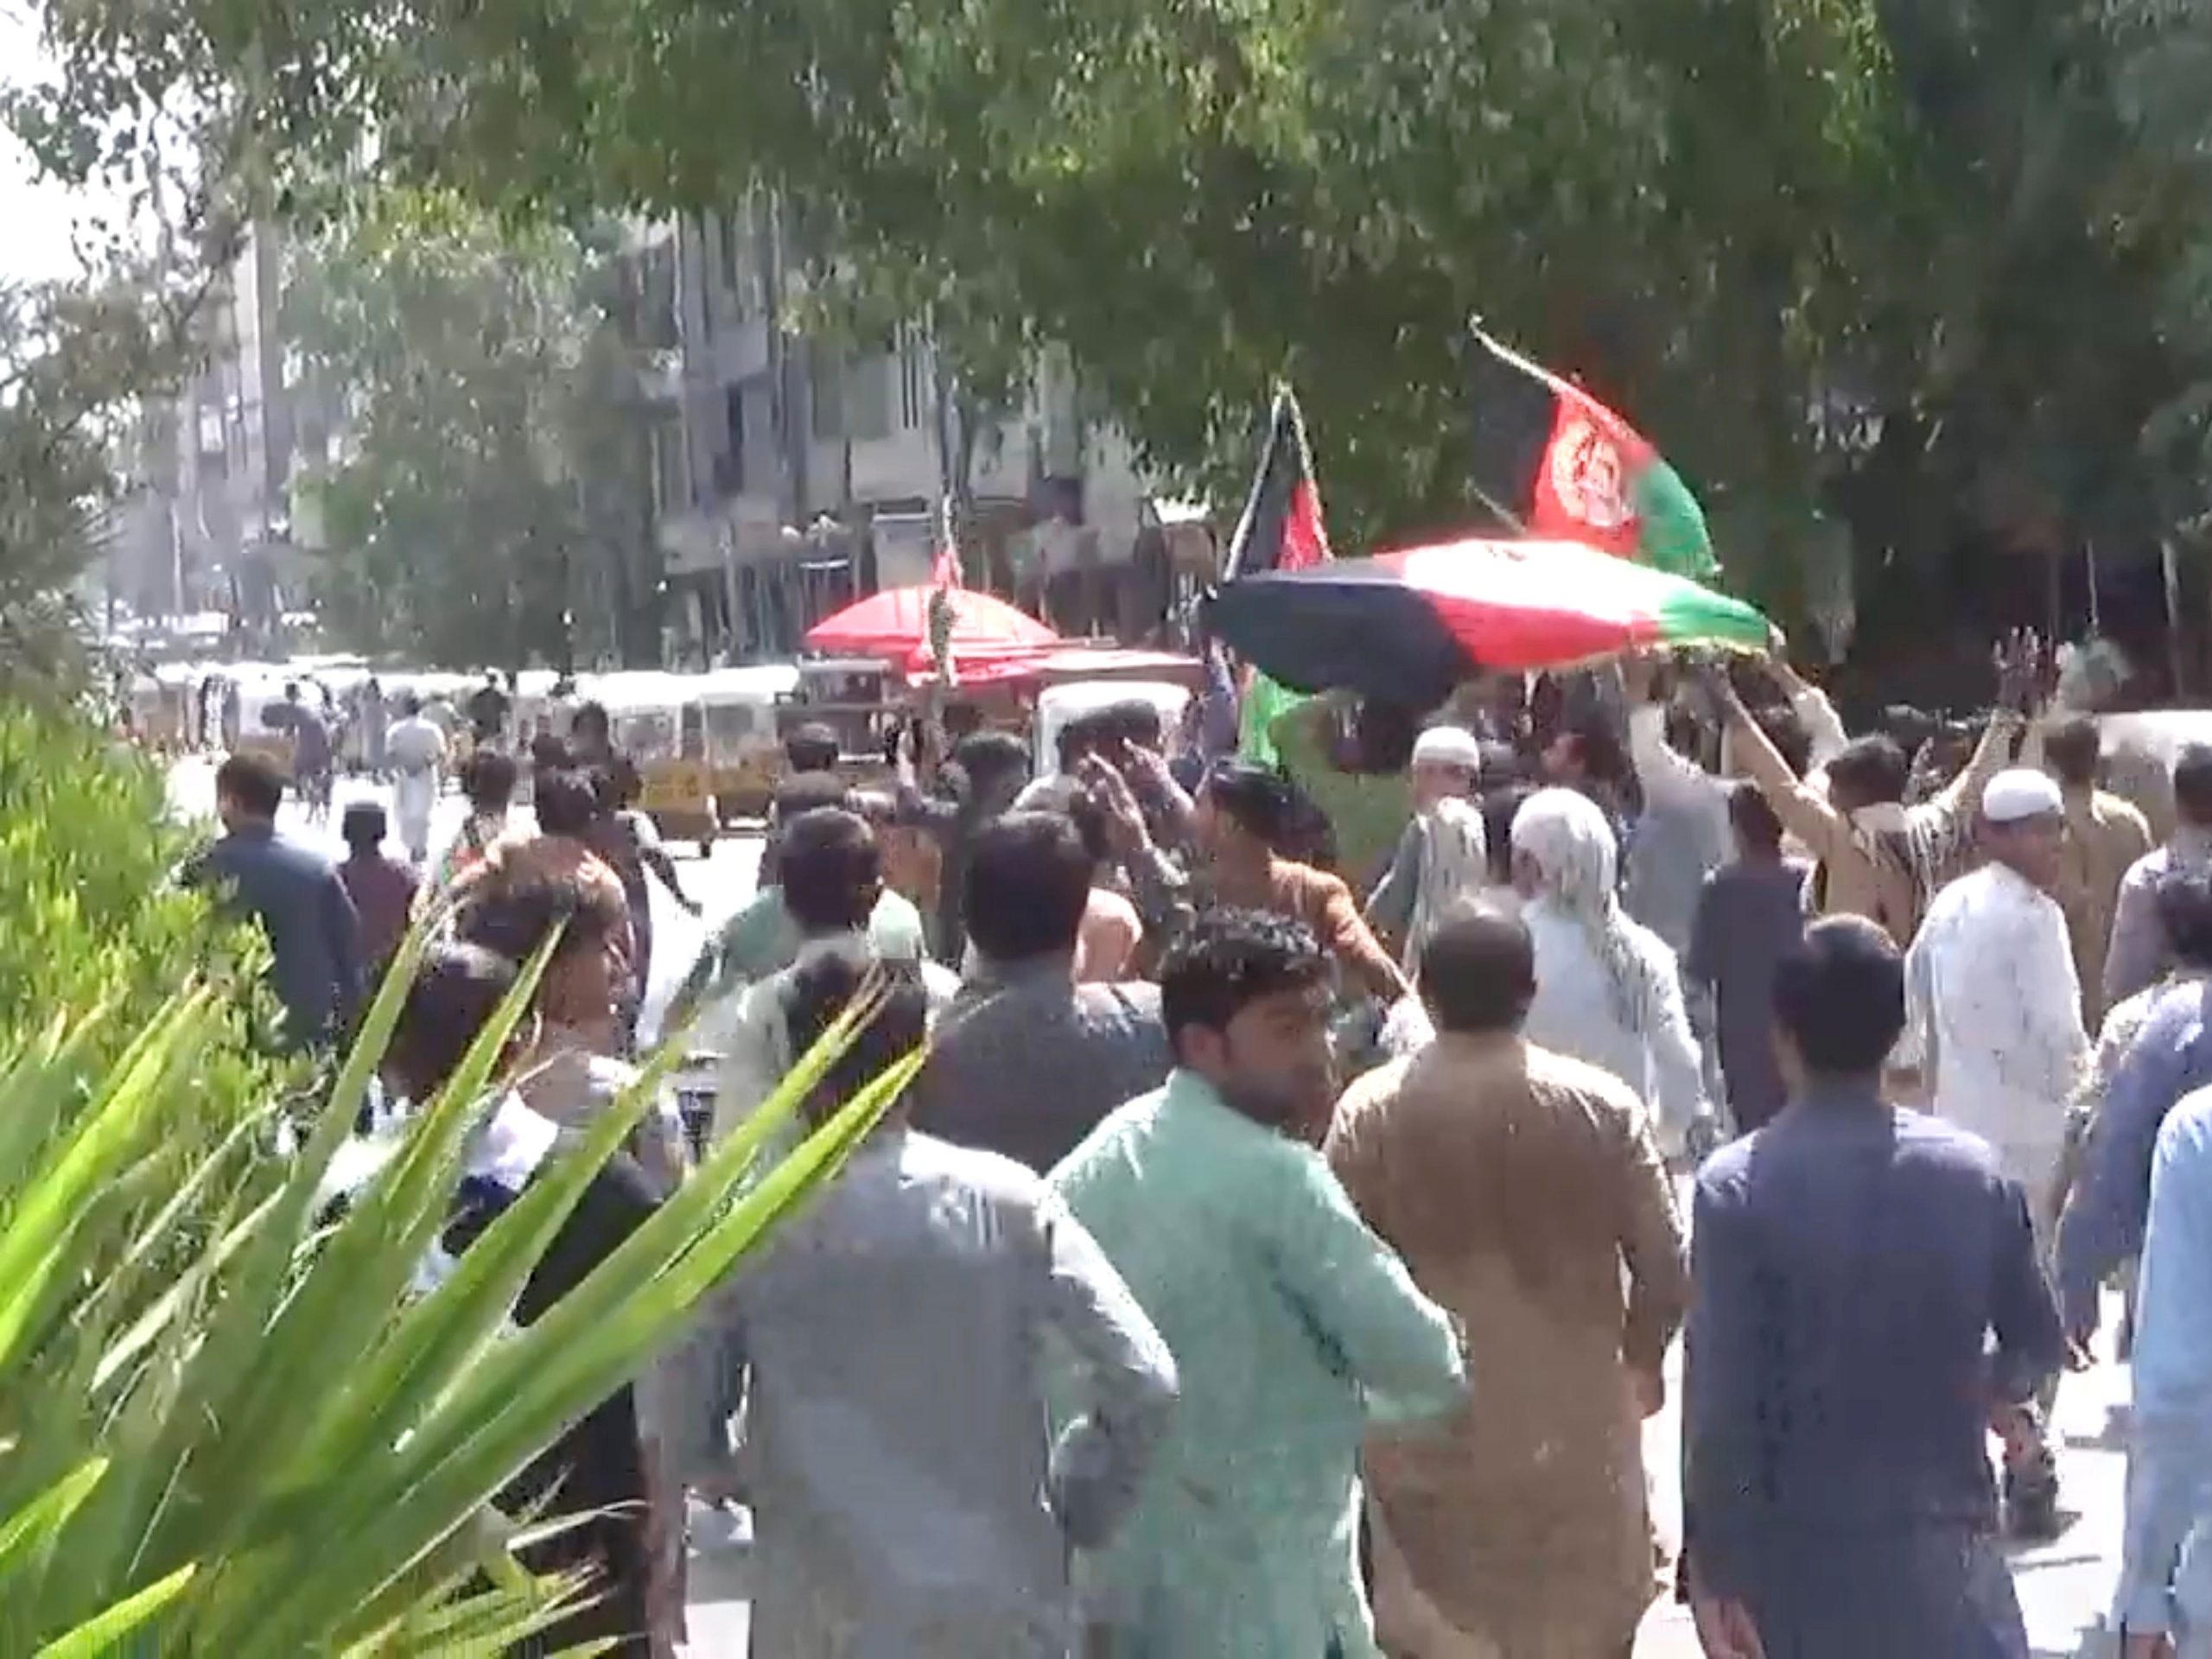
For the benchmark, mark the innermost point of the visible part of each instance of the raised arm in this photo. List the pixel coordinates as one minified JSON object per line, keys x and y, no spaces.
{"x":1804,"y":812}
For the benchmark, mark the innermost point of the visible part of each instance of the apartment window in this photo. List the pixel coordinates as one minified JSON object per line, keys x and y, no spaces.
{"x":867,"y":396}
{"x":825,"y":375}
{"x":729,"y":473}
{"x":914,"y":398}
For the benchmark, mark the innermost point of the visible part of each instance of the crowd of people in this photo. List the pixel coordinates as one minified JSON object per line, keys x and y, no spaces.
{"x":1279,"y":1249}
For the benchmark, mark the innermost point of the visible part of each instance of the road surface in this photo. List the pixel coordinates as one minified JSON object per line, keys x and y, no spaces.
{"x":2064,"y":1586}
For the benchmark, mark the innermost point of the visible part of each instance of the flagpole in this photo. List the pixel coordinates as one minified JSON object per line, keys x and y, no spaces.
{"x":1482,"y":338}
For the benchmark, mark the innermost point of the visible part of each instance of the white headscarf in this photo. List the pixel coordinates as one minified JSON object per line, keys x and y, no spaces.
{"x":1454,"y":870}
{"x":1566,"y":836}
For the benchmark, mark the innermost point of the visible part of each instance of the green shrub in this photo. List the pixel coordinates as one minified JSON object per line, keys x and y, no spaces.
{"x":90,"y":916}
{"x":277,"y":1449}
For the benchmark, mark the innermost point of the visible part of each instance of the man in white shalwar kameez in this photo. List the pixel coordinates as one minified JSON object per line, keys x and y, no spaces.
{"x":1994,"y":1022}
{"x":416,"y":749}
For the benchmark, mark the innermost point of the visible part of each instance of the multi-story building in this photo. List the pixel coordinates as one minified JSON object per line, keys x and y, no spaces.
{"x":795,"y":473}
{"x":209,"y":524}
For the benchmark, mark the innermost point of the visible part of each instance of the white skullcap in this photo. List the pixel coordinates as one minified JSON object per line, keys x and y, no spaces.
{"x":1448,"y":745}
{"x":2019,"y":794}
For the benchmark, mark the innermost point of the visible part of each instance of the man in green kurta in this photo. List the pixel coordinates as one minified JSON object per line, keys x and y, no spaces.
{"x":1294,"y":1328}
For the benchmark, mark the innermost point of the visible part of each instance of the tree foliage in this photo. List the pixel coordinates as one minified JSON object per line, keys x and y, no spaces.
{"x":1935,"y":272}
{"x":478,"y":362}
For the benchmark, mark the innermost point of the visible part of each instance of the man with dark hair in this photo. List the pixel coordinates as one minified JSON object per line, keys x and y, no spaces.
{"x":916,"y":1310}
{"x":487,"y":710}
{"x":2137,"y":955}
{"x":991,"y":768}
{"x":316,"y":961}
{"x":1749,"y":917}
{"x":602,"y":1467}
{"x":1243,"y":815}
{"x":1875,"y":855}
{"x":832,"y":881}
{"x":1850,"y":1264}
{"x":591,"y":735}
{"x":382,"y":889}
{"x":2105,"y":836}
{"x":1293,"y":1325}
{"x":1029,"y":1060}
{"x":586,"y":994}
{"x":487,"y":786}
{"x":1480,"y":1161}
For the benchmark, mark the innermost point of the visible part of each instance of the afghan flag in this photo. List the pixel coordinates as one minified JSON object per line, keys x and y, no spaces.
{"x":1281,"y":530}
{"x":1407,"y":627}
{"x":1559,"y":466}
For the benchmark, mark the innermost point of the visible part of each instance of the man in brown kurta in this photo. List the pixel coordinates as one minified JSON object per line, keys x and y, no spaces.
{"x":1516,"y":1184}
{"x":2104,"y":837}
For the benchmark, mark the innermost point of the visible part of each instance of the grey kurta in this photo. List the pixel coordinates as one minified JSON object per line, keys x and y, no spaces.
{"x":909,"y":1501}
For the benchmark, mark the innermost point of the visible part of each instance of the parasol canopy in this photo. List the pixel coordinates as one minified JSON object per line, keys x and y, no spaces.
{"x":894,"y":625}
{"x":1409,"y":625}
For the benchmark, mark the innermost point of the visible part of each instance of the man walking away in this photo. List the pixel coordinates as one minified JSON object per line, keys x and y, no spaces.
{"x":314,"y":937}
{"x":1994,"y":1019}
{"x":2104,"y":838}
{"x":487,"y":784}
{"x":898,"y":1339}
{"x":382,"y":889}
{"x":2138,"y":955}
{"x":1293,"y":1327}
{"x":1749,"y":917}
{"x":1849,"y":1263}
{"x":1028,"y":1061}
{"x":416,"y":749}
{"x":1518,"y":1185}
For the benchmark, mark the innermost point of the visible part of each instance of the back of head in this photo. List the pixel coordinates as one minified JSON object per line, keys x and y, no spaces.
{"x":1478,"y":973}
{"x":830,"y":871}
{"x":409,"y":705}
{"x":995,"y":762}
{"x":1133,"y":721}
{"x":364,"y":827}
{"x":589,"y":721}
{"x":1871,"y":770}
{"x":1500,"y":807}
{"x":1757,"y":827}
{"x":1228,"y":959}
{"x":515,"y":915}
{"x":818,"y":992}
{"x":1081,"y":736}
{"x":812,"y":747}
{"x":1253,"y":798}
{"x":1792,"y":741}
{"x":1384,"y":735}
{"x":1839,"y":997}
{"x":2073,"y":747}
{"x":565,"y":804}
{"x":456,"y":990}
{"x":251,"y":783}
{"x":487,"y":779}
{"x":2193,"y":785}
{"x":1027,"y":883}
{"x":2184,"y":901}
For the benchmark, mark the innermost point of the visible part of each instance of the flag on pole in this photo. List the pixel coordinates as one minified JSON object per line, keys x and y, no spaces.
{"x":1556,"y":463}
{"x":1281,"y":529}
{"x":945,"y":575}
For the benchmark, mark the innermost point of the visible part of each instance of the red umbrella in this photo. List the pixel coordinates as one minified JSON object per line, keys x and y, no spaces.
{"x":894,"y":625}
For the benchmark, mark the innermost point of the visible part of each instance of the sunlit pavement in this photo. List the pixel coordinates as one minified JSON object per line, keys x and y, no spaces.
{"x":2064,"y":1585}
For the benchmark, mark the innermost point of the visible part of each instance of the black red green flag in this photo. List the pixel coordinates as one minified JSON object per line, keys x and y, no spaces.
{"x":1281,"y":530}
{"x":1561,"y":466}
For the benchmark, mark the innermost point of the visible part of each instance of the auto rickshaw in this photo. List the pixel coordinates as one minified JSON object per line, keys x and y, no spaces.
{"x":741,"y":740}
{"x":659,"y":722}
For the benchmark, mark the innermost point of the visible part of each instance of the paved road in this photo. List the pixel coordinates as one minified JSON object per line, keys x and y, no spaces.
{"x":2064,"y":1585}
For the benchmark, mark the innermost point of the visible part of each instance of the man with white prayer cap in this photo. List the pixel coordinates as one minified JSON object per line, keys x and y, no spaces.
{"x":1443,"y":856}
{"x":1993,"y":1013}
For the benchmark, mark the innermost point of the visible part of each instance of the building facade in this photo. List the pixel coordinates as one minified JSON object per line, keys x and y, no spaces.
{"x":795,"y":473}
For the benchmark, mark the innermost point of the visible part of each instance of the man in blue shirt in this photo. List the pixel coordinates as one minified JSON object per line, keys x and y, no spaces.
{"x":2171,"y":1057}
{"x":295,"y":894}
{"x":2166,"y":1580}
{"x":1849,"y":1264}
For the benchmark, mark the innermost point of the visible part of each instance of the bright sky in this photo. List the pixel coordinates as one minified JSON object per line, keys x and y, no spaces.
{"x":38,"y":215}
